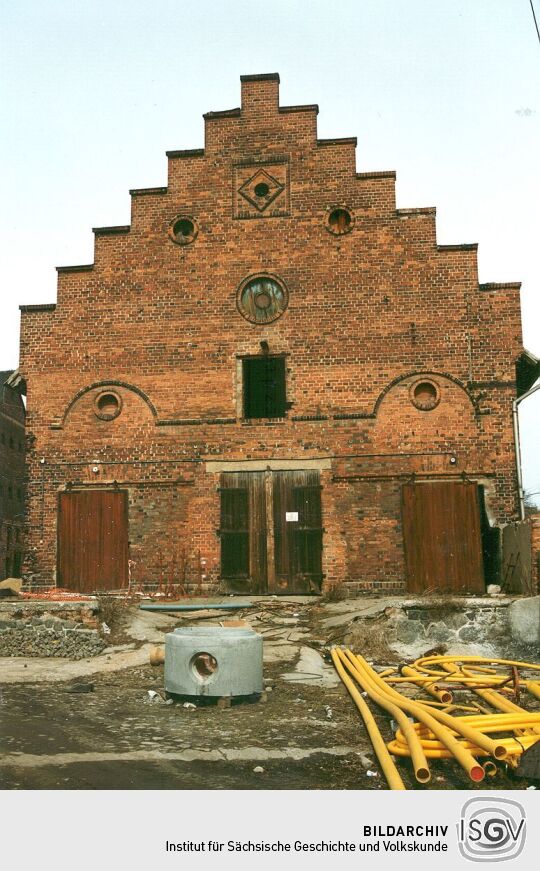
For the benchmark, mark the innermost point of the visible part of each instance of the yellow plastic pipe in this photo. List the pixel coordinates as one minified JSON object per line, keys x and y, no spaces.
{"x":432,"y":689}
{"x":448,"y":708}
{"x":490,"y":768}
{"x":498,"y":723}
{"x":533,"y":687}
{"x":387,"y":672}
{"x":463,"y":756}
{"x":492,"y":697}
{"x":450,"y":723}
{"x":393,"y":777}
{"x":514,"y":746}
{"x":424,"y":661}
{"x":419,"y":761}
{"x":437,"y":751}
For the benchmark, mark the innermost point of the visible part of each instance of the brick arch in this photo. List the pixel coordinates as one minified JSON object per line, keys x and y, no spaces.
{"x":424,"y":373}
{"x":109,"y":383}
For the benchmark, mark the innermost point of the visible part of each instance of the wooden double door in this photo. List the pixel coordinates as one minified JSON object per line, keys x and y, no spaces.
{"x":271,"y":531}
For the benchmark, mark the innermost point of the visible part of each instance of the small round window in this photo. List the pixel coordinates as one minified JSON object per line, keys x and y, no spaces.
{"x":340,"y":221}
{"x":262,"y":299}
{"x":183,"y":230}
{"x":108,"y":405}
{"x":425,"y":395}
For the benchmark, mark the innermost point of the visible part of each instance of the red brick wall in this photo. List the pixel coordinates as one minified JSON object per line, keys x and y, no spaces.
{"x":369,"y":313}
{"x":535,"y":547}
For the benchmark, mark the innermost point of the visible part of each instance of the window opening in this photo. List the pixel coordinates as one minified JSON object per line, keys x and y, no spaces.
{"x":339,"y":221}
{"x":264,"y":387}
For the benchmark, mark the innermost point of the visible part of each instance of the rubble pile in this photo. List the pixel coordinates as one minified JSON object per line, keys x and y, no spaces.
{"x":48,"y":636}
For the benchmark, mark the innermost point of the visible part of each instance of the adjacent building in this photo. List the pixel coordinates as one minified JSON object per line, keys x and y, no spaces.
{"x":12,"y":477}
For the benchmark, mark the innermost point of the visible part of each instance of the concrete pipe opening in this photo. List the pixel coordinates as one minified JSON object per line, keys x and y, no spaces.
{"x":203,"y":665}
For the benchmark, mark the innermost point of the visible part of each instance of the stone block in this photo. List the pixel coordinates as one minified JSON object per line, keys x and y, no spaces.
{"x":408,"y":631}
{"x":439,"y":631}
{"x":524,"y":618}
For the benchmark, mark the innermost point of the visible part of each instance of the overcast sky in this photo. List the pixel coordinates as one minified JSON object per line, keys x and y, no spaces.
{"x":447,"y":94}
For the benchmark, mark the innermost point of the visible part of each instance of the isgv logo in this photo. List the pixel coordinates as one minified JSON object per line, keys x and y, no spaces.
{"x":491,"y":829}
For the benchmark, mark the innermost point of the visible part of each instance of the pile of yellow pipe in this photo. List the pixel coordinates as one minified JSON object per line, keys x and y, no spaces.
{"x":393,"y":777}
{"x":436,"y":734}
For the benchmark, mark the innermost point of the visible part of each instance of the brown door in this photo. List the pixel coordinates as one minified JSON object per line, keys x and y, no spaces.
{"x":92,"y":540}
{"x":270,"y":530}
{"x":243,"y":532}
{"x":442,"y":537}
{"x":297,"y":532}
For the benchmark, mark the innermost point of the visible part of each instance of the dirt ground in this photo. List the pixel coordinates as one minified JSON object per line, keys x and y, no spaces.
{"x":307,"y":735}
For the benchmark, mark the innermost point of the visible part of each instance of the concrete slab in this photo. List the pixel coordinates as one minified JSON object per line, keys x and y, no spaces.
{"x":279,"y":652}
{"x":241,"y":754}
{"x":18,"y":669}
{"x":150,"y":626}
{"x":312,"y":669}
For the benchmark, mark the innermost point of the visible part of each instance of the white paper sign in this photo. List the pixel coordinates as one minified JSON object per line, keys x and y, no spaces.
{"x":291,"y":516}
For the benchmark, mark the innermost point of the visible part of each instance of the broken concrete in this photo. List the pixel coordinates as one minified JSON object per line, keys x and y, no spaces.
{"x":150,"y":626}
{"x":312,"y":669}
{"x":24,"y":670}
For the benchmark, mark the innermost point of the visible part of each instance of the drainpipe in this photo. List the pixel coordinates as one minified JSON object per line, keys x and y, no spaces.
{"x":515,"y":404}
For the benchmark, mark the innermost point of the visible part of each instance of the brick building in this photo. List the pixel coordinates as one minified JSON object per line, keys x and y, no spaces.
{"x":272,"y":379}
{"x":12,"y":477}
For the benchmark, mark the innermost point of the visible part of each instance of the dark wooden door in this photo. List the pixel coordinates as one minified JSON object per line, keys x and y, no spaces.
{"x":297,"y":532}
{"x":442,"y":537}
{"x":93,"y":540}
{"x":243,"y":532}
{"x":270,"y":530}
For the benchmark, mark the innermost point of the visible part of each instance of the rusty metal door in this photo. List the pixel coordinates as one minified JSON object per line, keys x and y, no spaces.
{"x":270,"y":530}
{"x":442,"y":537}
{"x":93,"y":540}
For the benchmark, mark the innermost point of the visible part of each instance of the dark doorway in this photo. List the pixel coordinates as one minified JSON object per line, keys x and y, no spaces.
{"x":442,"y":537}
{"x":491,"y":543}
{"x":243,"y":532}
{"x":93,"y":540}
{"x":271,"y":531}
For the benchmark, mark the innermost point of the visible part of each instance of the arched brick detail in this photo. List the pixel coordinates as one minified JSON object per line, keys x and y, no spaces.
{"x":105,"y":384}
{"x":424,"y":373}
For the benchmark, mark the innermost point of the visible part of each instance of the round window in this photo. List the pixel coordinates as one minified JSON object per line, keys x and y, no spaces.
{"x":183,"y":230}
{"x":107,"y":405}
{"x":425,"y":395}
{"x":261,"y":189}
{"x":262,"y":299}
{"x":340,"y":221}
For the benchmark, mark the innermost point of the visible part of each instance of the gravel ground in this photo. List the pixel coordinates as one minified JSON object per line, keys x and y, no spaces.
{"x":116,"y":736}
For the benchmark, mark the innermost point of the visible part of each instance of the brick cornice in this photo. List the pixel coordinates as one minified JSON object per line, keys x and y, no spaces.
{"x":38,"y":307}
